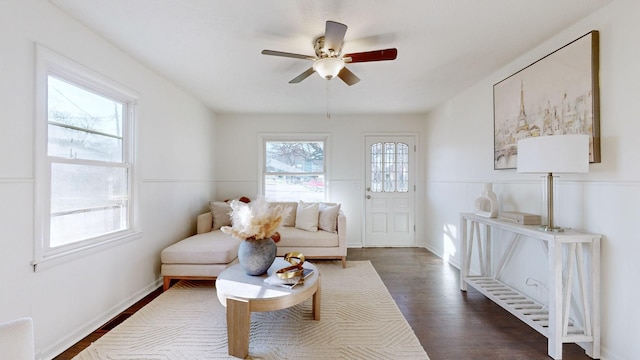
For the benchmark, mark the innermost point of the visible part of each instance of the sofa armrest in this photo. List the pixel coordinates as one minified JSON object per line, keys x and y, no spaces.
{"x":342,"y":232}
{"x":204,"y":224}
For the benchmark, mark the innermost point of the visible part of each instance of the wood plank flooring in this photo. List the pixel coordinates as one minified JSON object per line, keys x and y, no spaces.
{"x":450,"y":324}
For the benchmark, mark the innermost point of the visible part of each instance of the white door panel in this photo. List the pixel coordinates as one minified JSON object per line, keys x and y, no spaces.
{"x":390,"y":191}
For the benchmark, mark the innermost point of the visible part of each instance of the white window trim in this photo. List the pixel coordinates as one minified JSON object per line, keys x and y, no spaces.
{"x":264,"y":137}
{"x":48,"y":63}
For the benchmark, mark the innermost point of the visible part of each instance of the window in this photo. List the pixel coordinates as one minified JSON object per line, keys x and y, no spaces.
{"x":389,"y":167}
{"x":84,"y":159}
{"x":294,"y":169}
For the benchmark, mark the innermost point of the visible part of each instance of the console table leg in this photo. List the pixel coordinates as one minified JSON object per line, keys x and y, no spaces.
{"x":595,"y":298}
{"x":464,"y":270}
{"x":238,"y":324}
{"x":555,"y":301}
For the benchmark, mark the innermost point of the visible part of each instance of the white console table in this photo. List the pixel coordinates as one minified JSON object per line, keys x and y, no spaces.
{"x":553,"y":319}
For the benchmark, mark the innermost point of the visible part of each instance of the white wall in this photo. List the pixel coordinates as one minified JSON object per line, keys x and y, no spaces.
{"x":69,"y":300}
{"x":459,"y":153}
{"x":237,"y":144}
{"x":185,"y":160}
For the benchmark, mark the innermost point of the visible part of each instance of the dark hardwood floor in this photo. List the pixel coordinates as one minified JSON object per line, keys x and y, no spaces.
{"x":449,"y":323}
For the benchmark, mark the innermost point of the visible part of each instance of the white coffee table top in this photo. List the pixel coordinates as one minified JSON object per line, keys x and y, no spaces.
{"x":234,"y":282}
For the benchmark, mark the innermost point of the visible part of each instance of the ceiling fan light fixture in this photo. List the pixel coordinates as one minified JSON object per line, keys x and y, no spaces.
{"x":328,"y":67}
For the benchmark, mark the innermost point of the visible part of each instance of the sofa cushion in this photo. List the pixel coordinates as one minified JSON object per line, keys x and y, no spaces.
{"x":221,"y":212}
{"x":292,"y":237}
{"x":328,"y":217}
{"x":214,"y":247}
{"x":291,"y":207}
{"x":307,"y":216}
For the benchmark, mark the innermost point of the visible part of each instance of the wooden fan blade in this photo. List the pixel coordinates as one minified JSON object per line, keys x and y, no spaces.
{"x":334,"y":35}
{"x":376,"y":55}
{"x":286,"y":54}
{"x":302,"y":76}
{"x":348,"y":77}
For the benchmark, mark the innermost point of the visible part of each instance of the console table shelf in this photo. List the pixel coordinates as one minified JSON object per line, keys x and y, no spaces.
{"x":552,"y":320}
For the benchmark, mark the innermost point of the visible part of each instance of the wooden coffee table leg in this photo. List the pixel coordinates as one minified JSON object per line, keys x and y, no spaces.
{"x":238,"y":324}
{"x":316,"y":304}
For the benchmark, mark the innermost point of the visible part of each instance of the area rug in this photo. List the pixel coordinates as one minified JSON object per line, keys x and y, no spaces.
{"x":359,"y":320}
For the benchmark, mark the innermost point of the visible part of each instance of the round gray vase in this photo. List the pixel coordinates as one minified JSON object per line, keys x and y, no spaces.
{"x":256,"y":256}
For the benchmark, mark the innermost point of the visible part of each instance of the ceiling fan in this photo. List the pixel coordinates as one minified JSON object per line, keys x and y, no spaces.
{"x":329,"y":61}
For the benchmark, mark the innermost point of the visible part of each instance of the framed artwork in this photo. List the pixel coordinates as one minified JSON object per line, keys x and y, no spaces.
{"x":558,"y":94}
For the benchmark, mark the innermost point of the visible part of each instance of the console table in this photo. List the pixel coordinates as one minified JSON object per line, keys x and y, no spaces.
{"x":553,"y":319}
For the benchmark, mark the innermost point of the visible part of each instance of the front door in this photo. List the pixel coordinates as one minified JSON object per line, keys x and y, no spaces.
{"x":390,"y":191}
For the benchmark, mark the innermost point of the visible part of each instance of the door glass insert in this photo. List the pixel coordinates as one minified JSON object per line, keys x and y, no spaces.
{"x":389,"y":167}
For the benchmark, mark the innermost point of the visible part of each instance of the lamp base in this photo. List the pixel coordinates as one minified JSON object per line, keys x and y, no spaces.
{"x":550,"y":228}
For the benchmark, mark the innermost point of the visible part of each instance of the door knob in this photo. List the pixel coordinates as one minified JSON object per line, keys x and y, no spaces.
{"x":368,"y":196}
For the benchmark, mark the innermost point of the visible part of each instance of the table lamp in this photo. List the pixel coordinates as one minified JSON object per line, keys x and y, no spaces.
{"x":553,"y":154}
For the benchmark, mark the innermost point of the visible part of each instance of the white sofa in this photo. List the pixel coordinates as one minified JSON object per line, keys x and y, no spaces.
{"x":205,"y":255}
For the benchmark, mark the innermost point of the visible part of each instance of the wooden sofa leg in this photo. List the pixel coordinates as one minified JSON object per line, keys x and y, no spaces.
{"x":344,"y":262}
{"x":166,"y":282}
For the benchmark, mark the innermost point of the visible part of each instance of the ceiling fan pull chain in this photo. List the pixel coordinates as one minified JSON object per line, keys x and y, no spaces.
{"x":328,"y":95}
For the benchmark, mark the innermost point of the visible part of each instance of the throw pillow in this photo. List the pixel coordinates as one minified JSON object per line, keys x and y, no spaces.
{"x":290,"y":219}
{"x":221,"y":212}
{"x":307,"y":216}
{"x":328,"y":217}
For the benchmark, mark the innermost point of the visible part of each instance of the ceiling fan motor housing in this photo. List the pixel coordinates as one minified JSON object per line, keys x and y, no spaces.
{"x":322,"y":52}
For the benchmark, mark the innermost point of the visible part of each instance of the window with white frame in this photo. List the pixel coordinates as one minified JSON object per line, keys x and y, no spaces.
{"x":84,"y":151}
{"x":294,"y":169}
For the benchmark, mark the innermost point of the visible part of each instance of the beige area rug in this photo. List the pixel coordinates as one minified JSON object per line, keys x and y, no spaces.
{"x":359,"y":320}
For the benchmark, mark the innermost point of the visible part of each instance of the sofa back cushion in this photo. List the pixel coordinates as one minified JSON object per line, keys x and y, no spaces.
{"x":221,"y":212}
{"x":307,"y":216}
{"x":291,"y":207}
{"x":328,"y":217}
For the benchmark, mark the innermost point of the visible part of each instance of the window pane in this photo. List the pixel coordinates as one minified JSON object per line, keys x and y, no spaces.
{"x":389,"y":167}
{"x":87,"y":201}
{"x":402,"y":167}
{"x":376,"y":167}
{"x":294,"y":156}
{"x":82,"y":124}
{"x":294,"y":188}
{"x":75,"y":144}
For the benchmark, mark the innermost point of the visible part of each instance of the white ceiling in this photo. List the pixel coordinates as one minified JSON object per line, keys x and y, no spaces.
{"x":211,"y":48}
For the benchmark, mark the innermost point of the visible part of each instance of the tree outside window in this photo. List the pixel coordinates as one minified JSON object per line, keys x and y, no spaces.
{"x":294,"y":170}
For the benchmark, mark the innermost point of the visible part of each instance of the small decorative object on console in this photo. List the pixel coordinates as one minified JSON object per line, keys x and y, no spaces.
{"x":487,"y":203}
{"x":520,"y":218}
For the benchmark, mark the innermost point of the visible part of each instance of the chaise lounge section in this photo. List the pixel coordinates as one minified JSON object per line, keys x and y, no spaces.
{"x":318,"y":230}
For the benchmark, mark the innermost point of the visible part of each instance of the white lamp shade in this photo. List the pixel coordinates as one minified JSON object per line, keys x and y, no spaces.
{"x":328,"y":68}
{"x":554,"y":154}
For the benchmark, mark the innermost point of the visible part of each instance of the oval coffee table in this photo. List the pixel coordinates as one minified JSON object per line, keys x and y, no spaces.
{"x":243,"y":294}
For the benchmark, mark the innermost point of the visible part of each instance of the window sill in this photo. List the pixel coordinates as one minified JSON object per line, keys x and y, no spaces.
{"x":60,"y":258}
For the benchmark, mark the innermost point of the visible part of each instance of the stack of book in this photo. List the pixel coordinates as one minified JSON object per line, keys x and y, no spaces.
{"x":520,"y":218}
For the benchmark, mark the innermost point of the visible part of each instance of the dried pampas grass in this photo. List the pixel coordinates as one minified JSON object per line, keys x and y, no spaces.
{"x":256,"y":220}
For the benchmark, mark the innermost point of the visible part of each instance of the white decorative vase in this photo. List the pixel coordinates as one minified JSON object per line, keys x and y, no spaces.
{"x":487,"y":203}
